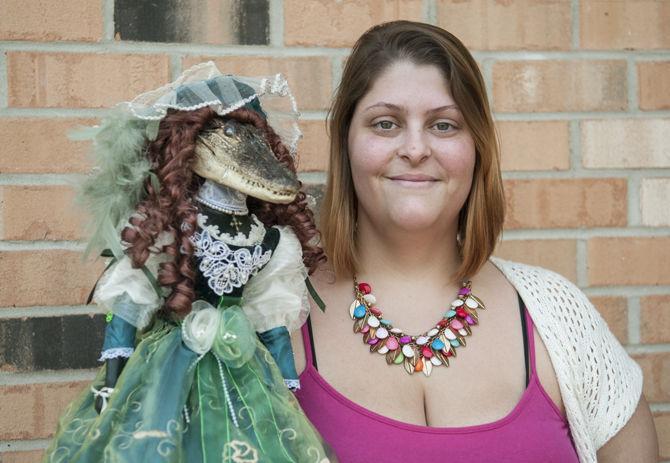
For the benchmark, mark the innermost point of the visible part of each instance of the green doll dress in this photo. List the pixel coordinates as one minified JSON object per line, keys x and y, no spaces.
{"x":204,"y":389}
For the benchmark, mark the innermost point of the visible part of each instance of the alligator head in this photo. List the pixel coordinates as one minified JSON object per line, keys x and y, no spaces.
{"x":237,"y":155}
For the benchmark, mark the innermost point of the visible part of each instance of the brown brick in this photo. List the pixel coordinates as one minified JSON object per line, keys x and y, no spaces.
{"x":39,"y":213}
{"x":662,"y":422}
{"x":607,"y":24}
{"x":557,"y":255}
{"x":656,"y":371}
{"x":655,"y":319}
{"x":509,"y":25}
{"x":654,"y":195}
{"x":608,"y":143}
{"x":654,"y":84}
{"x":30,"y":456}
{"x":314,"y":147}
{"x":50,"y":277}
{"x":77,"y":80}
{"x":49,"y":21}
{"x":31,"y":411}
{"x":339,"y":24}
{"x":559,"y":203}
{"x":537,"y":86}
{"x":537,"y":145}
{"x":615,"y":312}
{"x":309,"y":77}
{"x":629,"y":261}
{"x":39,"y":145}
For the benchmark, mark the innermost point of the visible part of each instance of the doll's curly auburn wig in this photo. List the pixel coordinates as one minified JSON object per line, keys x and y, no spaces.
{"x":172,"y":208}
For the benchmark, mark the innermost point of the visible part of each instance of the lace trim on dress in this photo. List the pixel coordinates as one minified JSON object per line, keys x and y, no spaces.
{"x":256,"y":235}
{"x":224,"y":268}
{"x":116,"y":352}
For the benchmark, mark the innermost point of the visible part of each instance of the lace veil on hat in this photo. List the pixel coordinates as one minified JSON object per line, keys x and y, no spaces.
{"x":116,"y":184}
{"x":204,"y":85}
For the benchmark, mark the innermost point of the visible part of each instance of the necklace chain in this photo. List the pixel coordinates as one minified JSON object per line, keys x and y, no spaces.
{"x":416,"y":353}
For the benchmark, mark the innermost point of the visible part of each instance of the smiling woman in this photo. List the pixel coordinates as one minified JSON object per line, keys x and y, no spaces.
{"x":413,"y":210}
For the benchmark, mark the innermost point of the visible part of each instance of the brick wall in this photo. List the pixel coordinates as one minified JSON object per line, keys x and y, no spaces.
{"x":581,"y":92}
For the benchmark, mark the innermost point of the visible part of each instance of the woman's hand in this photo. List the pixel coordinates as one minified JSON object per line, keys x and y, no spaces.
{"x":636,"y":441}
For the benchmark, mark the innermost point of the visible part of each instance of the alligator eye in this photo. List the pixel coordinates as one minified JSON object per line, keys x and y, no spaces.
{"x":229,"y":130}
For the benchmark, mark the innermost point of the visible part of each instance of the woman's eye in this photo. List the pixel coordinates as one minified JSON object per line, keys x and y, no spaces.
{"x":384,"y":125}
{"x":443,"y":126}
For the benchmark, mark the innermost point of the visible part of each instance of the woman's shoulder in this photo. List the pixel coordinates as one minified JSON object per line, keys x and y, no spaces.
{"x":545,"y":287}
{"x":589,"y":362}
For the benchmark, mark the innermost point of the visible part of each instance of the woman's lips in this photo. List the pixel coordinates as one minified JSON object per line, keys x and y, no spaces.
{"x":413,"y":180}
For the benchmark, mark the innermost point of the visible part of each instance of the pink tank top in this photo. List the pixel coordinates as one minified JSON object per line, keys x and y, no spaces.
{"x":534,"y":431}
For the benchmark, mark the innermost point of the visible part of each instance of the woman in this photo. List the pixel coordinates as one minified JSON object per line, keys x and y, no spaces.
{"x":413,"y":207}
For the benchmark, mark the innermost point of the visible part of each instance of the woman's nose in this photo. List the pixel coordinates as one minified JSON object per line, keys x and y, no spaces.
{"x":415,"y":147}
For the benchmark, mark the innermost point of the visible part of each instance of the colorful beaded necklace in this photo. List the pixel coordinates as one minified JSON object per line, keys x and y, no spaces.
{"x":416,"y":353}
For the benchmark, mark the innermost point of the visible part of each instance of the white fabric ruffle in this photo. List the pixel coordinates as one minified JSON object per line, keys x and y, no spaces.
{"x":127,"y":292}
{"x":116,"y":352}
{"x":277,"y":294}
{"x":200,"y":326}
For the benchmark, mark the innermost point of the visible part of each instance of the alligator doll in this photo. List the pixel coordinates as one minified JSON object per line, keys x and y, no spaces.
{"x":198,"y":201}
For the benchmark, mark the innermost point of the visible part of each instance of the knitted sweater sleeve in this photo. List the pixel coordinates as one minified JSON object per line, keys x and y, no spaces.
{"x":600,"y":384}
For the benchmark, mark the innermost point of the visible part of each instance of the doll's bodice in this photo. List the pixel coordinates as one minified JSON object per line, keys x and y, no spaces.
{"x":230,"y":250}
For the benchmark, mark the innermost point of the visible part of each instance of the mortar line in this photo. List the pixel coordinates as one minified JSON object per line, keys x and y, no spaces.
{"x":587,"y":233}
{"x":584,"y":174}
{"x":487,"y":74}
{"x":312,"y":178}
{"x":430,"y":11}
{"x":23,"y":445}
{"x":627,"y":291}
{"x":48,"y":311}
{"x":78,"y":246}
{"x":582,"y":264}
{"x":122,"y":47}
{"x":41,"y":179}
{"x":648,"y":349}
{"x":513,"y":117}
{"x":575,"y":144}
{"x":634,"y":320}
{"x":49,"y":376}
{"x":660,"y":407}
{"x":175,"y":65}
{"x":53,"y":112}
{"x":229,"y":49}
{"x":108,"y":20}
{"x":579,"y":115}
{"x":575,"y":25}
{"x":632,"y":85}
{"x":336,"y":69}
{"x":633,"y":200}
{"x":4,"y":81}
{"x":276,"y":23}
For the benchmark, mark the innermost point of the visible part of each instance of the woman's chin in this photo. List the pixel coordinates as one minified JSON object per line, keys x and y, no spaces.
{"x":416,"y":220}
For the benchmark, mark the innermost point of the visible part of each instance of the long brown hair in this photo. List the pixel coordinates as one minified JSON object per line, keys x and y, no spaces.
{"x":482,"y":216}
{"x":172,"y":207}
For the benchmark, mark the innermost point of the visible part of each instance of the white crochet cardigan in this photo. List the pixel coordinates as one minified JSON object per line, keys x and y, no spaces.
{"x":600,"y":384}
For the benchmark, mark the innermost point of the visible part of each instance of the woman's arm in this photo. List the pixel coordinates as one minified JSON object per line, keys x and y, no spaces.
{"x":636,"y":441}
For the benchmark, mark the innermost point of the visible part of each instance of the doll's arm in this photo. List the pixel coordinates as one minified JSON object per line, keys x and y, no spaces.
{"x":278,"y":343}
{"x":119,"y":344}
{"x":275,"y":301}
{"x":129,"y":298}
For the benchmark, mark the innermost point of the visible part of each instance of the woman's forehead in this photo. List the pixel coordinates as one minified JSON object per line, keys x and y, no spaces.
{"x":404,"y":85}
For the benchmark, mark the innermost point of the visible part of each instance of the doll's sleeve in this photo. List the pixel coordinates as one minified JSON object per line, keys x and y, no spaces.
{"x":277,"y":295}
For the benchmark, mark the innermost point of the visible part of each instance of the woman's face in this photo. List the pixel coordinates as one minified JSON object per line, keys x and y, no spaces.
{"x":412,"y":158}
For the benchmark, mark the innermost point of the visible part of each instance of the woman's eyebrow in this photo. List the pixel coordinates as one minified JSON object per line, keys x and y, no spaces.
{"x":443,"y":108}
{"x":383,"y":104}
{"x":395,"y":107}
